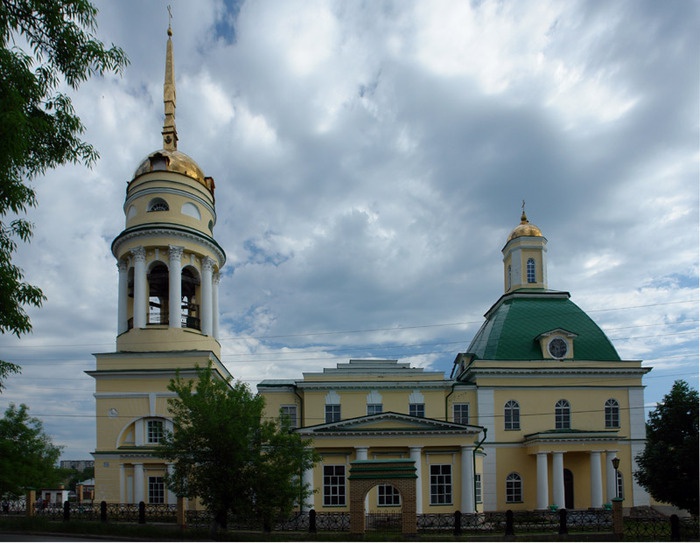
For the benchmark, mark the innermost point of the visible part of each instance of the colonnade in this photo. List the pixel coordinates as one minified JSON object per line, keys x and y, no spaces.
{"x":209,"y":291}
{"x":558,"y":493}
{"x":138,"y":483}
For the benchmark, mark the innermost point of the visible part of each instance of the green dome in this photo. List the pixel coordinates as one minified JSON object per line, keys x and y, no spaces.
{"x":514,"y":323}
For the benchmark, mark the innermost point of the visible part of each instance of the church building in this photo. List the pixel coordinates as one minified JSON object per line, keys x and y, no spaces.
{"x":531,"y":416}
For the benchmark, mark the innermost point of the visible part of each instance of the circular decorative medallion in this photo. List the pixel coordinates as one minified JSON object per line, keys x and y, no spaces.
{"x":557,"y":347}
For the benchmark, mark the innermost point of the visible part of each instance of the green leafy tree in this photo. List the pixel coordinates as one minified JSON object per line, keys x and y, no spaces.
{"x":28,"y":458}
{"x":226,"y":455}
{"x":43,"y":45}
{"x":668,"y":466}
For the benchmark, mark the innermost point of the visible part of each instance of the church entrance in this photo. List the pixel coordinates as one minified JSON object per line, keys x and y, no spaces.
{"x":568,"y":489}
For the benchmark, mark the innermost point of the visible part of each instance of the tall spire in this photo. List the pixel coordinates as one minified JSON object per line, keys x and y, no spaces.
{"x":169,"y":129}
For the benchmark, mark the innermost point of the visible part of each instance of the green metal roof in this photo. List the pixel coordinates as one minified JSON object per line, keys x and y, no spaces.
{"x":518,"y":318}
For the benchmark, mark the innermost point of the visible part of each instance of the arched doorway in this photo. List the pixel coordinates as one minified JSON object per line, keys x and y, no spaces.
{"x":568,"y":489}
{"x":399,"y":474}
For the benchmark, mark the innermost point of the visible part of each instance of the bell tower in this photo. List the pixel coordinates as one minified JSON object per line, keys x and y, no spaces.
{"x":167,"y":315}
{"x":525,"y":257}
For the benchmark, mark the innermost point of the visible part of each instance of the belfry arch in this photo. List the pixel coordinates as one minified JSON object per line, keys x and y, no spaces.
{"x":366,"y":474}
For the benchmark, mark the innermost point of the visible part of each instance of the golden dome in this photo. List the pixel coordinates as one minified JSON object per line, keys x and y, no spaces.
{"x":173,"y":161}
{"x":525,"y":229}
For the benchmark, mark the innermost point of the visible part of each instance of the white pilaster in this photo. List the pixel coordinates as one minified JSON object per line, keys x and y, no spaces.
{"x":138,"y":483}
{"x":140,"y":299}
{"x":122,"y":297}
{"x":175,"y":287}
{"x":558,"y":479}
{"x":596,"y":480}
{"x":215,"y":306}
{"x":467,"y":483}
{"x":542,"y":481}
{"x":609,"y":476}
{"x":415,"y":453}
{"x":207,"y":271}
{"x":122,"y":484}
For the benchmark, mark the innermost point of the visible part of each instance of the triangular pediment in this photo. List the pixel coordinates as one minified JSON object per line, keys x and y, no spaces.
{"x":389,"y":423}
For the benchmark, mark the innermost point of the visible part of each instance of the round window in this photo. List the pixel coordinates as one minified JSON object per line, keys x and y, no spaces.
{"x":557,"y":348}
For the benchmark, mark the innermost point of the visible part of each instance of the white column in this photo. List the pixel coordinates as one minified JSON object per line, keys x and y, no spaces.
{"x":215,"y":306}
{"x":207,"y":269}
{"x":596,"y":481}
{"x":122,"y":484}
{"x":610,"y":484}
{"x":542,"y":481}
{"x":122,"y":297}
{"x":171,"y":497}
{"x":416,"y":457}
{"x":138,"y":483}
{"x":308,"y":481}
{"x":140,"y":299}
{"x":558,"y":479}
{"x":361,"y":454}
{"x":468,"y":505}
{"x":175,"y":287}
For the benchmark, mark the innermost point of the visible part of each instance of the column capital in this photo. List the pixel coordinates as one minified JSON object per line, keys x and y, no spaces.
{"x":207,"y":263}
{"x":175,"y":252}
{"x":122,"y":265}
{"x":139,"y":254}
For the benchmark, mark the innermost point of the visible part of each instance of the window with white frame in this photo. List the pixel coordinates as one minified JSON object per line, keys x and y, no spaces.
{"x":374,"y":403}
{"x":332,"y":412}
{"x":612,"y":414}
{"x":387,"y":496}
{"x":531,"y":270}
{"x":440,"y":484}
{"x":562,"y":415}
{"x":334,"y":485}
{"x":460,"y":413}
{"x":514,"y":488}
{"x":288,"y":414}
{"x":156,"y":490}
{"x":511,"y":415}
{"x":154,"y":431}
{"x":416,"y":409}
{"x":477,"y":487}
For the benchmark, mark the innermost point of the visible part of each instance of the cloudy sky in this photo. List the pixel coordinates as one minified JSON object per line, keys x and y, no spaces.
{"x":370,"y":160}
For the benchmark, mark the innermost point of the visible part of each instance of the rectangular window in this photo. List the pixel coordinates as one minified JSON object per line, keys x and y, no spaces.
{"x":374,"y":408}
{"x":387,"y":496}
{"x":156,"y":490}
{"x":477,"y":487}
{"x":333,"y":485}
{"x":289,"y":413}
{"x":416,"y":409}
{"x":460,"y":413}
{"x":332,"y":413}
{"x":154,"y":431}
{"x":440,"y":484}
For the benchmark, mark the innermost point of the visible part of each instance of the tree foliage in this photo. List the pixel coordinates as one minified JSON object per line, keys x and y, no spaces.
{"x":668,"y":466}
{"x":226,"y":455}
{"x":43,"y":46}
{"x":28,"y":458}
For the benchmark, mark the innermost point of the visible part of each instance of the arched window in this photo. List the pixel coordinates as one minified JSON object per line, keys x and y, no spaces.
{"x":158,"y":294}
{"x":514,"y":488}
{"x":511,"y":415}
{"x":191,"y":210}
{"x":531,"y":270}
{"x":158,"y":204}
{"x":562,"y":415}
{"x":612,"y":414}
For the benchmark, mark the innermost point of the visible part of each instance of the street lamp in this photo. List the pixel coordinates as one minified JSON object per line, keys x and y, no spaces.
{"x":616,"y":464}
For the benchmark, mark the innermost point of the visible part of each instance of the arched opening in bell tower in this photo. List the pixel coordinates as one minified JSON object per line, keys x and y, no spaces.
{"x":158,"y":307}
{"x":190,"y":296}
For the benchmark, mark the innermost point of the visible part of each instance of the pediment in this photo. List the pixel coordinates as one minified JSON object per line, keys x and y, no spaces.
{"x":390,"y":423}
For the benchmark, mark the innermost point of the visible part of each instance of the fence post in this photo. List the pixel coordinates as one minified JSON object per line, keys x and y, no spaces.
{"x":181,"y":513}
{"x":103,"y":511}
{"x":675,"y":528}
{"x":458,"y":523}
{"x":562,"y":522}
{"x":142,"y":513}
{"x":312,"y":521}
{"x":66,"y":511}
{"x":509,"y":523}
{"x":618,"y":521}
{"x":31,"y":503}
